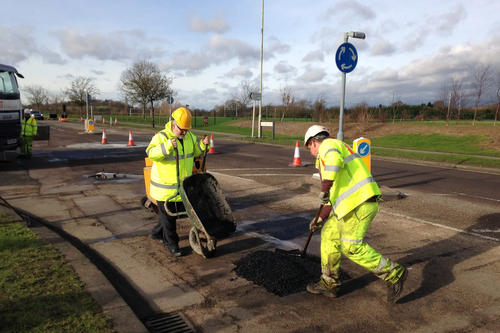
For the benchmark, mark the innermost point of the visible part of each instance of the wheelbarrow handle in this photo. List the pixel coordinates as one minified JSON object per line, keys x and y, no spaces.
{"x":178,"y":185}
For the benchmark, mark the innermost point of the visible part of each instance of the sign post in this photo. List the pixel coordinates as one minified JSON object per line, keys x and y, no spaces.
{"x":170,"y":100}
{"x":255,"y":96}
{"x":346,"y":59}
{"x":362,"y":147}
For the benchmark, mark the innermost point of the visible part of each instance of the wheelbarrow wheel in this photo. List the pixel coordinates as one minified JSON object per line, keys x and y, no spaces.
{"x":144,"y":200}
{"x":207,"y":248}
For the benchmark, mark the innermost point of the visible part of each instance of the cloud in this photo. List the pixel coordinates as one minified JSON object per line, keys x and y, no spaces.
{"x":20,"y":44}
{"x":218,"y":24}
{"x":217,"y":50}
{"x":442,"y":24}
{"x":382,"y":47}
{"x":283,"y":71}
{"x":229,"y":48}
{"x":117,"y":45}
{"x":276,"y":46}
{"x":350,"y":9}
{"x":239,"y":71}
{"x":313,"y":74}
{"x":317,"y":55}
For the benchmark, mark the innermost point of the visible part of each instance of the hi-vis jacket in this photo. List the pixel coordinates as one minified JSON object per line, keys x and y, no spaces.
{"x":29,"y":127}
{"x":163,"y":173}
{"x":352,"y":182}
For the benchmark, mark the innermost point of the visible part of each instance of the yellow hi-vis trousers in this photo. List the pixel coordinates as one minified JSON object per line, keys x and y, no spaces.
{"x":345,"y":236}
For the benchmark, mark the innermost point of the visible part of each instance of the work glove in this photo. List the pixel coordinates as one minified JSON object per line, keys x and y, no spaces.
{"x":319,"y":224}
{"x":324,"y":198}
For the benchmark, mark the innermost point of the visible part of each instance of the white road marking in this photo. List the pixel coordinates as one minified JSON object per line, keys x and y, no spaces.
{"x":486,"y":230}
{"x":442,"y":226}
{"x":223,"y":174}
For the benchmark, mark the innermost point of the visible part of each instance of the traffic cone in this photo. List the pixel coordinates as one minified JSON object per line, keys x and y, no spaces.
{"x":81,"y":119}
{"x":103,"y":120}
{"x":130,"y":139}
{"x":297,"y":162}
{"x":104,"y":140}
{"x":212,"y":147}
{"x":116,"y":121}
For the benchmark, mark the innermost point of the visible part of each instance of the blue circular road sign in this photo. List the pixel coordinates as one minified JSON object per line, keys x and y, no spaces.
{"x":346,"y":58}
{"x":363,"y":149}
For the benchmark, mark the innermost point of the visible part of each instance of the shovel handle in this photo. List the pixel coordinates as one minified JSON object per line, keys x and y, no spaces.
{"x":303,"y":254}
{"x":204,"y":157}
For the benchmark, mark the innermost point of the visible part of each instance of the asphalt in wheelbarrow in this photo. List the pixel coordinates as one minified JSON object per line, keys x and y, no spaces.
{"x":209,"y":205}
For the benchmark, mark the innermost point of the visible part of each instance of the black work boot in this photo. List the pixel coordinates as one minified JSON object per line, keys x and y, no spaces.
{"x":319,"y":289}
{"x":158,"y":239}
{"x":175,"y":251}
{"x":395,"y":290}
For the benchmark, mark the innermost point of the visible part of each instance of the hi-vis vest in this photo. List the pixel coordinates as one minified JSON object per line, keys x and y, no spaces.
{"x":29,"y":127}
{"x":163,"y":173}
{"x":353,"y":184}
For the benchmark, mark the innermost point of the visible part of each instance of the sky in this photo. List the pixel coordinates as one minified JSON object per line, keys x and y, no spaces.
{"x":411,"y":49}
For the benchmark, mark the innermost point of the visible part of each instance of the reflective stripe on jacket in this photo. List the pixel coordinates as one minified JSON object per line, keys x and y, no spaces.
{"x":163,"y":172}
{"x":352,"y":182}
{"x":29,"y":126}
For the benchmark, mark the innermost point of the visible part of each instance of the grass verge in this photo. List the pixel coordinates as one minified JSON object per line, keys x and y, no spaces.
{"x":39,"y":291}
{"x":441,"y":158}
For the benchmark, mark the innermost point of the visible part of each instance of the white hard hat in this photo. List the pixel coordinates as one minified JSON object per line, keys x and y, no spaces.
{"x":26,"y":111}
{"x":313,"y":131}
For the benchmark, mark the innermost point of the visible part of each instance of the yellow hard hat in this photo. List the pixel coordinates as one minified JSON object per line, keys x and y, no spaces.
{"x":182,"y":117}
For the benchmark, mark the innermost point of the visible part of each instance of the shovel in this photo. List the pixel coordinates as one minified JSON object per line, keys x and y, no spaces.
{"x":297,"y":252}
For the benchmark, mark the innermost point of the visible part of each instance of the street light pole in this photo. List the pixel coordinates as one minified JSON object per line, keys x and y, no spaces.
{"x":340,"y":134}
{"x":261,"y":61}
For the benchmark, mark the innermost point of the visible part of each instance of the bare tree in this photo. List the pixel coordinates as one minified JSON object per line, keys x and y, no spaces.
{"x":319,"y":106}
{"x":459,"y":96}
{"x":363,"y":115}
{"x":144,"y":83}
{"x":37,"y":94}
{"x":245,"y":89}
{"x":78,"y":90}
{"x":481,"y":77}
{"x":496,"y":82}
{"x":395,"y":102}
{"x":287,"y":98}
{"x":56,"y":99}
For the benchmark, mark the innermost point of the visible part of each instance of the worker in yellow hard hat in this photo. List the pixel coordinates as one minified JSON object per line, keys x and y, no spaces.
{"x":164,"y":186}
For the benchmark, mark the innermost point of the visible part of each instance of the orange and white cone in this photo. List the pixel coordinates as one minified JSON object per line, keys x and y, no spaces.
{"x":297,"y":162}
{"x":81,"y":118}
{"x":103,"y":120}
{"x":212,"y":146}
{"x":131,"y":140}
{"x":116,"y":121}
{"x":104,"y":140}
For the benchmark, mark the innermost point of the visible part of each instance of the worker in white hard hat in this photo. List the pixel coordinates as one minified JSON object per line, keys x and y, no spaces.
{"x":164,"y":186}
{"x":350,"y":195}
{"x":29,"y":130}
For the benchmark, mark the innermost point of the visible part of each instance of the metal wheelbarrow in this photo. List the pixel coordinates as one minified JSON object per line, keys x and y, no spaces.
{"x":207,"y":210}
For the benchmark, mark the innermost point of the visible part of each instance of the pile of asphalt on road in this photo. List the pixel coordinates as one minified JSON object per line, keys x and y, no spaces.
{"x":279,"y":273}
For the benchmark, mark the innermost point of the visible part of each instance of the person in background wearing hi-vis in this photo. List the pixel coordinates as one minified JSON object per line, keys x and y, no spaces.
{"x":29,"y":130}
{"x":350,"y":195}
{"x":164,"y":187}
